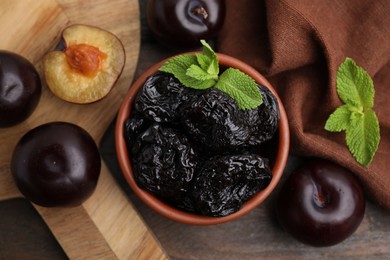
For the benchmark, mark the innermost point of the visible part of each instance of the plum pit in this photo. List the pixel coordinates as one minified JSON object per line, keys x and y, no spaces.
{"x":85,"y":59}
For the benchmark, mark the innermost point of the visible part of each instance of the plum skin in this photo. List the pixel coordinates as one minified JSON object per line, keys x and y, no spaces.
{"x":320,"y":204}
{"x":20,"y":88}
{"x":56,"y":164}
{"x":183,"y":23}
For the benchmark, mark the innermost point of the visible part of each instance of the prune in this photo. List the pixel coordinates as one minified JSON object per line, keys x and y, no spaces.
{"x":160,"y":97}
{"x":214,"y":120}
{"x":184,"y":202}
{"x":20,"y":88}
{"x":210,"y":120}
{"x":225,"y":183}
{"x":174,"y":131}
{"x":164,"y":161}
{"x":134,"y":126}
{"x":264,"y":120}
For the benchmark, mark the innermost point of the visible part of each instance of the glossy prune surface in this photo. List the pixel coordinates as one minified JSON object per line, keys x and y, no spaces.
{"x":264,"y":120}
{"x":164,"y":161}
{"x":225,"y":183}
{"x":214,"y":120}
{"x":158,"y":101}
{"x":20,"y":88}
{"x":160,"y":98}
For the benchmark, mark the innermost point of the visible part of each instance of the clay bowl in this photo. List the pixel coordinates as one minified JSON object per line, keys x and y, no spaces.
{"x":278,"y":152}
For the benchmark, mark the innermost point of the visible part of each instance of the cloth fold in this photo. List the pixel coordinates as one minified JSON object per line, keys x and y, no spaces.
{"x":298,"y":45}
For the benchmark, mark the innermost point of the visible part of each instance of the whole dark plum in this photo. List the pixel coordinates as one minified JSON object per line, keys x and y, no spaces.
{"x":183,"y":23}
{"x":321,"y":203}
{"x":225,"y":183}
{"x":56,"y":164}
{"x":20,"y":88}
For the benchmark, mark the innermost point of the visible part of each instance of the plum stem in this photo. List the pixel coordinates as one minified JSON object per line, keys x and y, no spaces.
{"x":200,"y":11}
{"x":320,"y":199}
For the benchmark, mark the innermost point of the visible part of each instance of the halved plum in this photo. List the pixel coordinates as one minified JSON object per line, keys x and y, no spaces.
{"x":88,"y":67}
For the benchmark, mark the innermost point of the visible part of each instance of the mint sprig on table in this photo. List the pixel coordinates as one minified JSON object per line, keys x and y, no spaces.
{"x":201,"y":71}
{"x":356,"y":116}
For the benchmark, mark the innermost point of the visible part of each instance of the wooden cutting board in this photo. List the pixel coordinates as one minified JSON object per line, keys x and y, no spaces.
{"x":106,"y":226}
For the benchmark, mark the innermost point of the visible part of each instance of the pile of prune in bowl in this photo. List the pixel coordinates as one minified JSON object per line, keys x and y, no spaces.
{"x":193,"y":155}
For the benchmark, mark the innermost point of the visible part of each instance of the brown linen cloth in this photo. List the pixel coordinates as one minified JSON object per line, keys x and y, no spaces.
{"x":298,"y":45}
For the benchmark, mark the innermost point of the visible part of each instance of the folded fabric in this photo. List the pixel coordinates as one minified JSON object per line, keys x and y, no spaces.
{"x":298,"y":46}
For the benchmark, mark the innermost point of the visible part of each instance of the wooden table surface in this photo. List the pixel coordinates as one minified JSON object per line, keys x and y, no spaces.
{"x":257,"y":235}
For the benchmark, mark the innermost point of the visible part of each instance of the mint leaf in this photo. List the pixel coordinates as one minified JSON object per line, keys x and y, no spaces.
{"x":179,"y":65}
{"x":354,"y":85}
{"x":201,"y":71}
{"x":195,"y":83}
{"x":213,"y":69}
{"x":242,"y":88}
{"x":212,"y":65}
{"x":203,"y":61}
{"x":339,"y":119}
{"x":362,"y":132}
{"x":196,"y":72}
{"x":363,"y":137}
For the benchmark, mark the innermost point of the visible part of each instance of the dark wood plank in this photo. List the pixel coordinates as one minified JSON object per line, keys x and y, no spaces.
{"x":23,"y":233}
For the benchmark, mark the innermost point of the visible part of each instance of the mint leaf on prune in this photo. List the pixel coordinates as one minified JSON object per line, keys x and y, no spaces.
{"x":241,"y":87}
{"x":225,"y":183}
{"x":179,"y":66}
{"x":201,"y":71}
{"x":214,"y":120}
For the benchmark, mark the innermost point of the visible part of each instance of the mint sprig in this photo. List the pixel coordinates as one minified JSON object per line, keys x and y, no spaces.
{"x":201,"y":71}
{"x":235,"y":84}
{"x":356,"y":116}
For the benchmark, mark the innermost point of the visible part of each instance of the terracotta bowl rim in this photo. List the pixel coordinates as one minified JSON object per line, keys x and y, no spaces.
{"x":174,"y":213}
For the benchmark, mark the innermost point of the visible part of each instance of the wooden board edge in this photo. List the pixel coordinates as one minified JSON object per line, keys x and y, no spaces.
{"x":106,"y":226}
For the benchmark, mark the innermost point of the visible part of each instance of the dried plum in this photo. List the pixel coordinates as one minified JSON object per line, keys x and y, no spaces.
{"x":225,"y":183}
{"x":264,"y":120}
{"x":157,"y":101}
{"x":210,"y":120}
{"x":160,"y":98}
{"x":214,"y":120}
{"x":194,"y":148}
{"x":184,"y":202}
{"x":134,"y":126}
{"x":164,"y":161}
